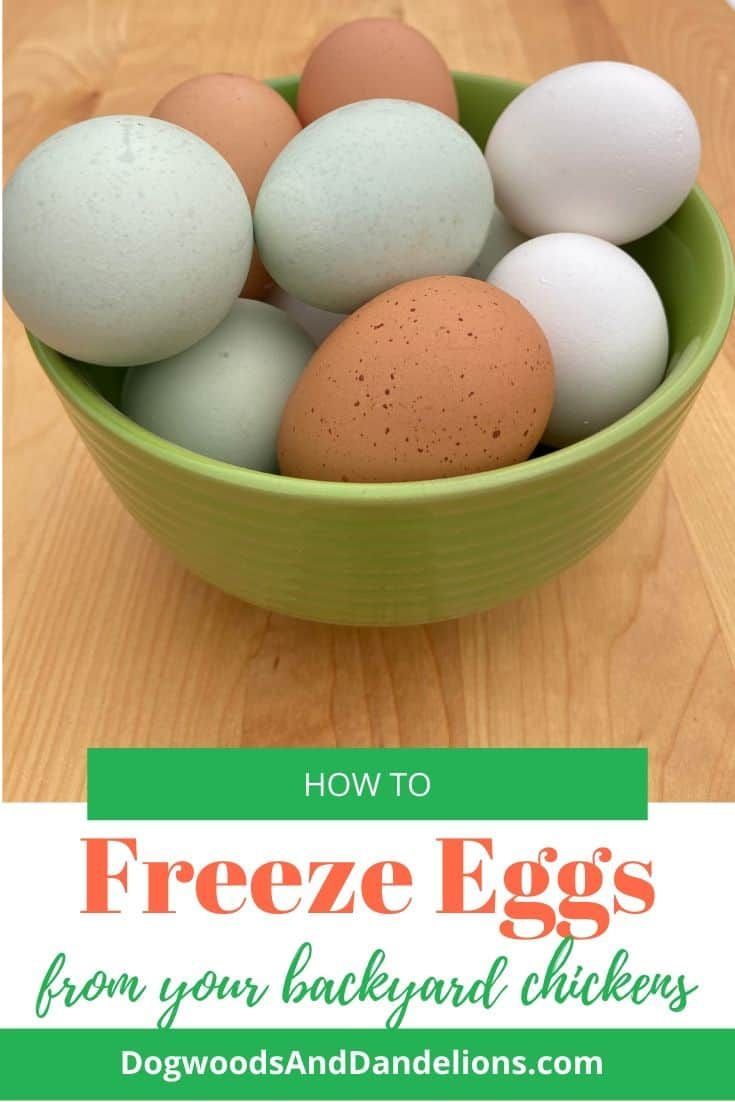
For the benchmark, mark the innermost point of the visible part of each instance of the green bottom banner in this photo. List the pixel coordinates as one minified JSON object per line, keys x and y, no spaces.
{"x":694,"y":1064}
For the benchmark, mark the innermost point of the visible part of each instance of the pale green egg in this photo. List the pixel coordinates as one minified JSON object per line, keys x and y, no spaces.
{"x":370,"y":196}
{"x":126,"y":240}
{"x":224,"y":396}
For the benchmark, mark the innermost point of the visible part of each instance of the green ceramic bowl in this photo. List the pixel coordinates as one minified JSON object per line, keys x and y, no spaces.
{"x":407,"y":553}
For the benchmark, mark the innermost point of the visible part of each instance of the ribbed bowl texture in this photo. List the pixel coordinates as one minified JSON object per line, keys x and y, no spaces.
{"x":406,"y":553}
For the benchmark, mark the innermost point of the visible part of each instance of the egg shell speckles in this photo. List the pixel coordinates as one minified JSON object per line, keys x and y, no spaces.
{"x":437,"y":377}
{"x":127,"y":239}
{"x":369,"y":196}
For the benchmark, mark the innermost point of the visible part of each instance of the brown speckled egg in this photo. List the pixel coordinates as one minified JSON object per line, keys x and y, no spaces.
{"x":439,"y":376}
{"x":247,"y":122}
{"x":374,"y":59}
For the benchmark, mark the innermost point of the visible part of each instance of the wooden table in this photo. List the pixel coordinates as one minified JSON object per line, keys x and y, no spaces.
{"x":109,"y":642}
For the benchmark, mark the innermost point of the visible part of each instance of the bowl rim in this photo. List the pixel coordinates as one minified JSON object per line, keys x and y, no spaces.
{"x":82,"y":395}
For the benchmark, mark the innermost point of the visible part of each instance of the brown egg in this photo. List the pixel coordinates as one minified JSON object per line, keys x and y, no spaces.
{"x":247,"y":122}
{"x":374,"y":59}
{"x":440,"y":376}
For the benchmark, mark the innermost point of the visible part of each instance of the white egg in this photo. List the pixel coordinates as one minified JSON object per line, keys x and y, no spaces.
{"x":369,"y":196}
{"x":224,"y":396}
{"x":127,"y":239}
{"x":604,"y":321}
{"x":602,"y":148}
{"x":317,"y":323}
{"x":501,"y":238}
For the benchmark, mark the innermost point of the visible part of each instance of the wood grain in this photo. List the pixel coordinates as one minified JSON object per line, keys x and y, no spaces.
{"x":108,"y":642}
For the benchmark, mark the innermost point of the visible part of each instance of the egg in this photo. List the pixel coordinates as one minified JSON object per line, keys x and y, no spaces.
{"x":224,"y":397}
{"x":127,"y":239}
{"x":501,"y":238}
{"x":374,"y":59}
{"x":601,"y":148}
{"x":440,"y":376}
{"x":369,"y":196}
{"x":604,"y":321}
{"x":317,"y":323}
{"x":246,"y":121}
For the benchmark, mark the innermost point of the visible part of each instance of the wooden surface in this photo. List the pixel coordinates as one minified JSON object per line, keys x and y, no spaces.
{"x":109,"y":642}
